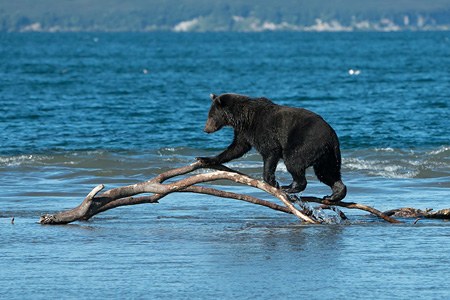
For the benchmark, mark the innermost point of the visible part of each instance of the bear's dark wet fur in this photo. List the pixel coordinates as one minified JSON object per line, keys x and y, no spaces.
{"x":298,"y":136}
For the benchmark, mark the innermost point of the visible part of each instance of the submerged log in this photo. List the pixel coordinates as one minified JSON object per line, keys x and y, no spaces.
{"x":409,"y":212}
{"x":153,"y":190}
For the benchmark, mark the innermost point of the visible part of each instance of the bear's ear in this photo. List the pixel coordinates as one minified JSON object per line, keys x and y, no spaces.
{"x":216,"y":99}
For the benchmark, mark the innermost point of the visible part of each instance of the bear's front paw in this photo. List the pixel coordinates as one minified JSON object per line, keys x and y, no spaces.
{"x":207,"y":161}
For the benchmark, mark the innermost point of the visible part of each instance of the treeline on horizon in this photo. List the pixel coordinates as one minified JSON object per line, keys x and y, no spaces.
{"x":145,"y":15}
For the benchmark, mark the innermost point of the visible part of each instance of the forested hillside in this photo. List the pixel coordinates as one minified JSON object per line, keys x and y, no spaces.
{"x":223,"y":15}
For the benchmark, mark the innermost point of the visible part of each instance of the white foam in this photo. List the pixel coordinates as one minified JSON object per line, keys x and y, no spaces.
{"x":440,"y":150}
{"x":384,"y":168}
{"x":245,"y":165}
{"x":13,"y":161}
{"x":388,"y":149}
{"x":354,"y":72}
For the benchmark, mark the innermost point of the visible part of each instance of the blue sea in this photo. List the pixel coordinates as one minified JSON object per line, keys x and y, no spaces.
{"x":80,"y":109}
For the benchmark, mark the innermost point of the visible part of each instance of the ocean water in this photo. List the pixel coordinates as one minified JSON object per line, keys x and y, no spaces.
{"x":80,"y":109}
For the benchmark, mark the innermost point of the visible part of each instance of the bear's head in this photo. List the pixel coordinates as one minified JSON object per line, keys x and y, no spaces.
{"x":216,"y":116}
{"x":226,"y":110}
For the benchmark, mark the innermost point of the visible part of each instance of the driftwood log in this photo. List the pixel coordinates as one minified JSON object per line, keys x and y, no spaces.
{"x":153,"y":190}
{"x":409,"y":212}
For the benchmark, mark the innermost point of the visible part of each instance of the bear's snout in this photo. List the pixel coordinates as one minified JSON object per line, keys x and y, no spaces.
{"x":210,"y":127}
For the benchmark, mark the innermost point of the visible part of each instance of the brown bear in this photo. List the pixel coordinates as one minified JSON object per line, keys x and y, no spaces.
{"x":298,"y":136}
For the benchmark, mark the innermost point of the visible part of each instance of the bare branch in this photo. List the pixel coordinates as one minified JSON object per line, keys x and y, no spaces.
{"x":352,"y":205}
{"x":230,"y":195}
{"x":73,"y":214}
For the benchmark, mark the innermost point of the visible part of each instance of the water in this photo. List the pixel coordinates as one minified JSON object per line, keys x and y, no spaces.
{"x":80,"y":109}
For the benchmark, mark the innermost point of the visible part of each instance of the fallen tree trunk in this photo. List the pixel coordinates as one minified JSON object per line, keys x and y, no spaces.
{"x":94,"y":203}
{"x":156,"y":189}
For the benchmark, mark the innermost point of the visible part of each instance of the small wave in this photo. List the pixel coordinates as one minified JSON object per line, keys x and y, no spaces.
{"x":245,"y":164}
{"x":397,"y":163}
{"x":12,"y":161}
{"x":53,"y":159}
{"x":384,"y":149}
{"x":167,"y":149}
{"x":380,"y":168}
{"x":102,"y":159}
{"x":443,"y":149}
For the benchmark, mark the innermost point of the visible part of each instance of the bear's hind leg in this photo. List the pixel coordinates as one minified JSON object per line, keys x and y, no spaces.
{"x":339,"y":192}
{"x":332,"y":178}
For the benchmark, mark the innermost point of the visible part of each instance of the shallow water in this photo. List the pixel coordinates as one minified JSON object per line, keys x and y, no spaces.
{"x":83,"y":109}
